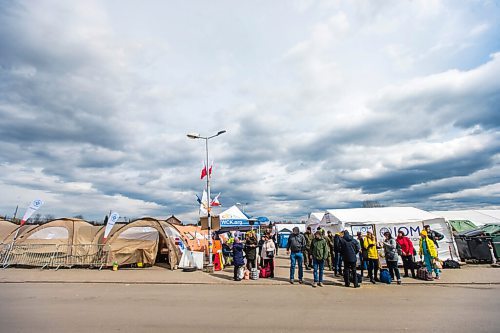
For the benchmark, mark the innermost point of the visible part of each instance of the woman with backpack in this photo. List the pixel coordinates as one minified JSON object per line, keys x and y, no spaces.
{"x":267,"y":254}
{"x":391,"y":255}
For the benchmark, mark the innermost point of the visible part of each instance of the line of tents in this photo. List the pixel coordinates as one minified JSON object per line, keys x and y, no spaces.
{"x":145,"y":240}
{"x":411,"y":220}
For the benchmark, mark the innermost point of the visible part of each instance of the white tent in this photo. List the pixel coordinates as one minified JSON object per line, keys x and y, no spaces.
{"x":393,"y":219}
{"x":314,"y":220}
{"x":479,"y":216}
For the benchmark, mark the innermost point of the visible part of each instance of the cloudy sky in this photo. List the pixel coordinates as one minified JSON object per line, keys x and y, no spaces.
{"x":326,"y":104}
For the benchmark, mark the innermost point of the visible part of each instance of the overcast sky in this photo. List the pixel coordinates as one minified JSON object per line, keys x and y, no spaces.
{"x":326,"y":104}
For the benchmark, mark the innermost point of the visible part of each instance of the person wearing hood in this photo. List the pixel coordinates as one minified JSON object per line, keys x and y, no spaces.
{"x":319,"y":251}
{"x":238,"y":259}
{"x":295,"y":246}
{"x":349,"y":249}
{"x":391,"y":255}
{"x":407,"y":253}
{"x":427,"y":250}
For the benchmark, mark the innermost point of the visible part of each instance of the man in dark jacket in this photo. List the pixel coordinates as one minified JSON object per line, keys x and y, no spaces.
{"x":319,"y":251}
{"x":295,"y":246}
{"x":433,"y":235}
{"x":337,"y":258}
{"x":349,"y":248}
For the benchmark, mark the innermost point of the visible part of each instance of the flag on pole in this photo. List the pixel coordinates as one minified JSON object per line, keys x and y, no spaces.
{"x":204,"y":204}
{"x":204,"y":170}
{"x":113,"y":218}
{"x":198,"y":199}
{"x":33,"y":207}
{"x":215,"y":202}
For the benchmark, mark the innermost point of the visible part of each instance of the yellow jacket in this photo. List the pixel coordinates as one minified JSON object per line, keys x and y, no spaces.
{"x":372,"y":250}
{"x":430,"y":247}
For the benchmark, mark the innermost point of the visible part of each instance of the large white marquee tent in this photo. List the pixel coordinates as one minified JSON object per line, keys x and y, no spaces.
{"x":381,"y":219}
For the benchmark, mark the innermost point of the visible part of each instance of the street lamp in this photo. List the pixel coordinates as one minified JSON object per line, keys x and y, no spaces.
{"x":198,"y":136}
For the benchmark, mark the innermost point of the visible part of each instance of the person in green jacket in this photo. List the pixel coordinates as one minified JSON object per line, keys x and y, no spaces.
{"x":307,"y":249}
{"x":319,"y":251}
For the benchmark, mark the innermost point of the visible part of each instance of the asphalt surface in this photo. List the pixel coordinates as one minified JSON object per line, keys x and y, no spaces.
{"x":88,"y":307}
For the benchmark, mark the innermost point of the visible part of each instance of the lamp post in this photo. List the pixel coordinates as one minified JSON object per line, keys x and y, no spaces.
{"x":197,"y":136}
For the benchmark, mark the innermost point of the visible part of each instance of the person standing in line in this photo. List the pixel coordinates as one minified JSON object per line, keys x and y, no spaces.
{"x":433,"y":235}
{"x":349,"y":248}
{"x":268,"y":252}
{"x":260,"y":244}
{"x":391,"y":255}
{"x":251,"y":249}
{"x":337,"y":257}
{"x":238,"y":259}
{"x":294,"y":247}
{"x":319,"y":251}
{"x":407,"y":253}
{"x":370,"y":244}
{"x":428,"y":251}
{"x":363,"y":254}
{"x":273,"y":235}
{"x":308,"y":235}
{"x":329,"y":243}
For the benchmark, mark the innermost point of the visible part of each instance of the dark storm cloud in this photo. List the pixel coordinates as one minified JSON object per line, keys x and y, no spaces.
{"x":459,"y":165}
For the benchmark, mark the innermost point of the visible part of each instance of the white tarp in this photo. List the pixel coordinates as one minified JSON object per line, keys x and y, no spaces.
{"x":191,"y":259}
{"x":314,"y":220}
{"x":408,"y":219}
{"x":479,"y":217}
{"x":50,"y":233}
{"x":140,"y":233}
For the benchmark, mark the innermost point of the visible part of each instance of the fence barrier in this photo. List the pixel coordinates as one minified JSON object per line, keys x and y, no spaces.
{"x":81,"y":255}
{"x":55,"y":256}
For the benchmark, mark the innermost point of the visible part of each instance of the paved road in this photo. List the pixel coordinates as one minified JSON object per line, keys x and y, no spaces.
{"x":42,"y":307}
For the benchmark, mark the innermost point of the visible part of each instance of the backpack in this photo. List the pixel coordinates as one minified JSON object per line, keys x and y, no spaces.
{"x":424,"y":274}
{"x":358,"y":276}
{"x":385,"y":276}
{"x":451,"y":264}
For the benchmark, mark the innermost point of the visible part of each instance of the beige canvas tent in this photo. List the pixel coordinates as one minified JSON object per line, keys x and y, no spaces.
{"x":6,"y":228}
{"x":141,"y":241}
{"x":71,"y":242}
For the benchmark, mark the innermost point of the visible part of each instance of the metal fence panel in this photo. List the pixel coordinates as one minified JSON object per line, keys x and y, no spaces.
{"x":33,"y":255}
{"x":81,"y":255}
{"x":52,"y":255}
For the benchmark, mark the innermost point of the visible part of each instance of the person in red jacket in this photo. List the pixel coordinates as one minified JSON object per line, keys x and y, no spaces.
{"x":407,"y":253}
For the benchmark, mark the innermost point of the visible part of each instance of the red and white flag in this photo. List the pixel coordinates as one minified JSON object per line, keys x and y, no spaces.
{"x":33,"y":207}
{"x":204,"y":170}
{"x":215,"y":202}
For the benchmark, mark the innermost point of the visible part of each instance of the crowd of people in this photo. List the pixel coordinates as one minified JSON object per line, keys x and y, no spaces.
{"x":341,"y":253}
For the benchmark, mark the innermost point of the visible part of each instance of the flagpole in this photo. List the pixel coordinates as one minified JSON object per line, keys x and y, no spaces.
{"x":209,"y":215}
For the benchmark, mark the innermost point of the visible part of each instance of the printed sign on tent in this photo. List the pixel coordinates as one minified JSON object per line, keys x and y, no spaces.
{"x":361,"y":228}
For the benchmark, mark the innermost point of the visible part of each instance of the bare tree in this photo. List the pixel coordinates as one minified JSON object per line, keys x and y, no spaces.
{"x":48,"y":217}
{"x":371,"y":204}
